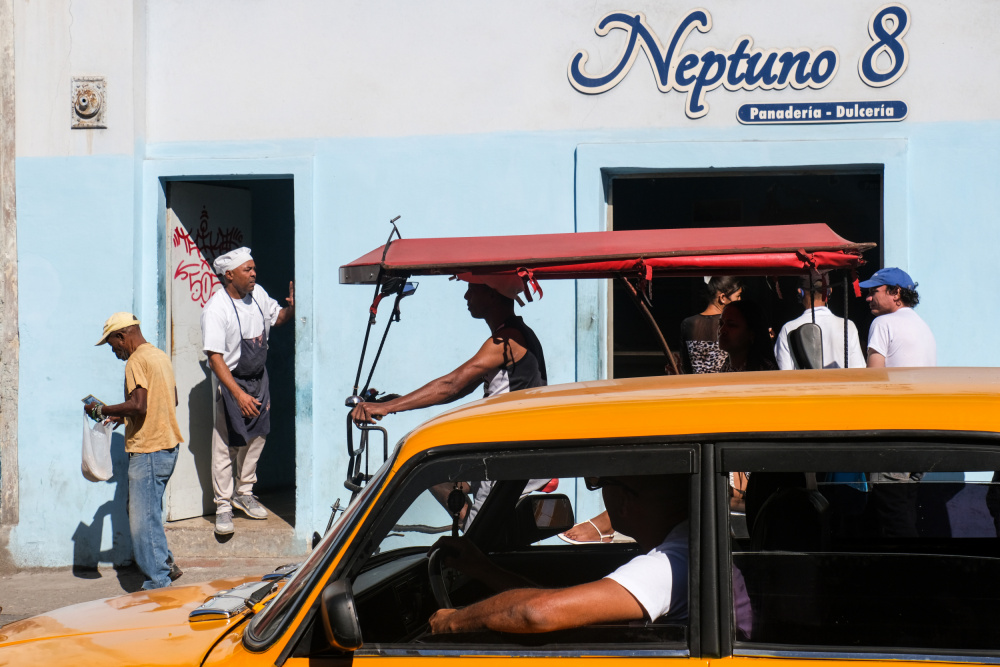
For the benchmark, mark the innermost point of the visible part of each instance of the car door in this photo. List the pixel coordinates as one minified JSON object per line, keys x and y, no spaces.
{"x":385,"y":567}
{"x":862,"y":548}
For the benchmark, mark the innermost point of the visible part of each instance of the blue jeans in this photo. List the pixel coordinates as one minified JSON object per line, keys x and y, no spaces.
{"x":147,"y":478}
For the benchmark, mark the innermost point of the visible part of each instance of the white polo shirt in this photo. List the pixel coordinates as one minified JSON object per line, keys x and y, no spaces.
{"x":833,"y":340}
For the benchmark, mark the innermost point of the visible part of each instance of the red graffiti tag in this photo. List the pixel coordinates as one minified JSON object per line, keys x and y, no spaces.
{"x":196,"y":268}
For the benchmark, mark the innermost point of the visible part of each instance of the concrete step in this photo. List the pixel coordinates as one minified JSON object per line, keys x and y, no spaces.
{"x":273,"y":537}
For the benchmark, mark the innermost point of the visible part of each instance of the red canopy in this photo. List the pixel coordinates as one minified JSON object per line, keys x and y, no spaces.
{"x":767,"y":250}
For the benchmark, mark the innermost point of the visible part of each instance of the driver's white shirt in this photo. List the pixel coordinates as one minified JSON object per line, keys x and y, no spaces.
{"x":658,"y":579}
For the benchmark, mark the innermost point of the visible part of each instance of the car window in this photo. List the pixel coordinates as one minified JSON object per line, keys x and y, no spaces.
{"x":512,"y":519}
{"x":875,"y":561}
{"x":428,"y":518}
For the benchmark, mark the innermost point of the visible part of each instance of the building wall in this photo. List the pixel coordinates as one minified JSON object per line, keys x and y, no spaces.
{"x":462,"y":120}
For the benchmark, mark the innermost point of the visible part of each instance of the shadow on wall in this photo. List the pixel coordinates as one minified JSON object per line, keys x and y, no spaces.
{"x":88,"y":538}
{"x":200,"y":437}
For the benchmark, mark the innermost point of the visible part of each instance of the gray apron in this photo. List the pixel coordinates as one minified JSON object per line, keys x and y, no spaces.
{"x":251,"y":376}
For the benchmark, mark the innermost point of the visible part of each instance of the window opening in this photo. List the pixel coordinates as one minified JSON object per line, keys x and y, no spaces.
{"x":848,"y":199}
{"x":512,"y":521}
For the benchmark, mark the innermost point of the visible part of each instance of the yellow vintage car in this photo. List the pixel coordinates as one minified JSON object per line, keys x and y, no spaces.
{"x":829,"y":553}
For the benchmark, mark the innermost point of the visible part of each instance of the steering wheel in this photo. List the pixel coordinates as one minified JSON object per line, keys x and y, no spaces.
{"x":435,"y":575}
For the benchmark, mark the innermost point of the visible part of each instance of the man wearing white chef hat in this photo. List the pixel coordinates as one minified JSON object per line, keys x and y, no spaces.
{"x":235,"y":325}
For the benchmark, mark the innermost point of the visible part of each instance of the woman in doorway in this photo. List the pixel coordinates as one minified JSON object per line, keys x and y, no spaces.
{"x":746,"y":340}
{"x":701,"y":332}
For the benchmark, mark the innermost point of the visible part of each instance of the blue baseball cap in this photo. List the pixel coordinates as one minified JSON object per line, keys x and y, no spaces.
{"x":890,"y":276}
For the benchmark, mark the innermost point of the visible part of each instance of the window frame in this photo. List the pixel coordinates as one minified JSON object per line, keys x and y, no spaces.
{"x":676,"y":454}
{"x":928,"y":451}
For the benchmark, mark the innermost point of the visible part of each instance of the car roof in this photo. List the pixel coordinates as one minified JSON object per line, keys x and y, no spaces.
{"x":886,"y":399}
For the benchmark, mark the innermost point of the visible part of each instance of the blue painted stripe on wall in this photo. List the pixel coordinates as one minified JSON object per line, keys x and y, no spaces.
{"x":76,"y":220}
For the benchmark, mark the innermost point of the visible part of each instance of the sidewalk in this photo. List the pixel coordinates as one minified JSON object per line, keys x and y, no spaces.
{"x":33,"y":592}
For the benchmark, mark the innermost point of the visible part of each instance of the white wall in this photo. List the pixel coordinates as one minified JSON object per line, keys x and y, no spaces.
{"x":234,"y":70}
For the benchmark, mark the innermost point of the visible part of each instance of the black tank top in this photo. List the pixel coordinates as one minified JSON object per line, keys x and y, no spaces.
{"x":526,"y":372}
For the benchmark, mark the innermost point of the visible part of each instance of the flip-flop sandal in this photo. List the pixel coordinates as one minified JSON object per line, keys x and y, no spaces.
{"x":600,"y":540}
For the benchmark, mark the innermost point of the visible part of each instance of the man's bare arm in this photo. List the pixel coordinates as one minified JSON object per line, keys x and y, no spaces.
{"x":287,"y":312}
{"x":248,"y":404}
{"x":875,"y":359}
{"x":527,"y":610}
{"x":134,"y":406}
{"x":445,"y":389}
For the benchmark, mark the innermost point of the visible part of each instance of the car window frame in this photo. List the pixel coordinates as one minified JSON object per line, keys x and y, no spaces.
{"x":341,"y":530}
{"x":678,"y":454}
{"x":787,"y":452}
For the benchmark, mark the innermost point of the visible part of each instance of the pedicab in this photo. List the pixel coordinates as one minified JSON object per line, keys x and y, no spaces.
{"x":633,"y":258}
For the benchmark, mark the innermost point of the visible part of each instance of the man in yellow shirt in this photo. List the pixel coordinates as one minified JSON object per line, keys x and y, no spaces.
{"x":151,"y":440}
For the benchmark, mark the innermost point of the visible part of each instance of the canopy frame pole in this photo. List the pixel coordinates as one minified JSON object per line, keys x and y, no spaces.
{"x":371,"y":317}
{"x":644,"y":309}
{"x":847,"y":304}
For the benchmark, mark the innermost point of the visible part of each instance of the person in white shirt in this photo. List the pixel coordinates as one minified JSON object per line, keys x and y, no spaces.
{"x":652,"y":509}
{"x":235,"y":326}
{"x":898,"y":336}
{"x":814,"y":294}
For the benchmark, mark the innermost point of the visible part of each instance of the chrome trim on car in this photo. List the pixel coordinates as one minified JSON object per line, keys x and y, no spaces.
{"x":859,"y":655}
{"x":232,"y":602}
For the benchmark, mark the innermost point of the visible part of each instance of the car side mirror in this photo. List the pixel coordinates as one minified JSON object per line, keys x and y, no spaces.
{"x":542,"y":516}
{"x":340,"y":622}
{"x":806,"y":344}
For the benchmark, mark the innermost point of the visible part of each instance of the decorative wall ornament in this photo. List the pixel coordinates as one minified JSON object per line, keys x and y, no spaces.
{"x":89,"y":102}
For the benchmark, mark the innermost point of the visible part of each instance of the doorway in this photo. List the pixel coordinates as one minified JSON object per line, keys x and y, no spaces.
{"x":848,"y":199}
{"x":207,"y":218}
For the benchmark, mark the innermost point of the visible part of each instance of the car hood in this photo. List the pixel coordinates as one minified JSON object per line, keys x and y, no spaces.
{"x":120,"y":630}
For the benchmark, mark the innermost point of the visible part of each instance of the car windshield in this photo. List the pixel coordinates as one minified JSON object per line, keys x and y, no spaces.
{"x":265,"y":624}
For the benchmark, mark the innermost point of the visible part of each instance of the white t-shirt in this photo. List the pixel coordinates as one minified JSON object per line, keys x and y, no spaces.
{"x":833,"y":341}
{"x":220,"y":331}
{"x":903,"y":338}
{"x":659,"y":579}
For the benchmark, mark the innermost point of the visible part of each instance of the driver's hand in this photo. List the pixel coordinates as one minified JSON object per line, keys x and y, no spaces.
{"x":442,"y":621}
{"x":368,"y":413}
{"x":461,"y":554}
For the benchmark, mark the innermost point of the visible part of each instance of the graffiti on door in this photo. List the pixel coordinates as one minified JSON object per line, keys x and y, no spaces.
{"x":194,"y":268}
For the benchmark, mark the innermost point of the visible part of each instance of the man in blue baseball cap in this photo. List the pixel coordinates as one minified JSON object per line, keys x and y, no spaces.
{"x":898,"y":336}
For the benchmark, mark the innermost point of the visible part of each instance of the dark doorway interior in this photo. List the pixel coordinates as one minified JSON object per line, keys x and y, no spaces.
{"x":848,"y":200}
{"x":273,"y":246}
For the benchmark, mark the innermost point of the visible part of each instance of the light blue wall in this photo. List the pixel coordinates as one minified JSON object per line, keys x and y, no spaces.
{"x":77,"y":225}
{"x":75,"y":228}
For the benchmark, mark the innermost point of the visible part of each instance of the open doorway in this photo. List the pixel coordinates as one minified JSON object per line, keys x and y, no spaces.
{"x":848,"y":199}
{"x":206,"y":218}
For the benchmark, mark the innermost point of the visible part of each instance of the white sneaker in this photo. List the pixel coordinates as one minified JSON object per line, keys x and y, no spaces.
{"x":248,"y":505}
{"x":224,"y":523}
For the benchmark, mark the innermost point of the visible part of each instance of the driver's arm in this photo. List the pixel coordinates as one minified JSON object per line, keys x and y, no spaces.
{"x":445,"y":389}
{"x":527,"y":610}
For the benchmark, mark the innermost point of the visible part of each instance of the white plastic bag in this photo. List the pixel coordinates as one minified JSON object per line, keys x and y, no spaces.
{"x":96,"y":464}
